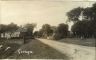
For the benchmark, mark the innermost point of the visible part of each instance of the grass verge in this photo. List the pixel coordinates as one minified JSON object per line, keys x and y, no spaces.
{"x":40,"y":51}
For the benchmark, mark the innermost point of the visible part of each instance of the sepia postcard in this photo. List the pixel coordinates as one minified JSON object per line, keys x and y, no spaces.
{"x":48,"y":29}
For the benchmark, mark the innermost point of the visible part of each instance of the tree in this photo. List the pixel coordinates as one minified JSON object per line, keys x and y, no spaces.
{"x":8,"y":28}
{"x":61,"y":31}
{"x":36,"y":33}
{"x":46,"y":30}
{"x":29,"y":28}
{"x":93,"y":8}
{"x":74,"y":14}
{"x":82,"y":29}
{"x":53,"y":29}
{"x":3,"y":28}
{"x":87,"y":12}
{"x":40,"y":33}
{"x":12,"y":27}
{"x":86,"y":27}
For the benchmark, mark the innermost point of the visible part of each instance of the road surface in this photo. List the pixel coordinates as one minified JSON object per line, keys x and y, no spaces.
{"x":74,"y":52}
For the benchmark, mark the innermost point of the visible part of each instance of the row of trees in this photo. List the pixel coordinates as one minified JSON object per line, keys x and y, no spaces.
{"x":46,"y":31}
{"x":53,"y":32}
{"x":10,"y":27}
{"x":86,"y":26}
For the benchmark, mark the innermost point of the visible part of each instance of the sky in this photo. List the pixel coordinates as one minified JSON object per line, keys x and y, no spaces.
{"x":41,"y":12}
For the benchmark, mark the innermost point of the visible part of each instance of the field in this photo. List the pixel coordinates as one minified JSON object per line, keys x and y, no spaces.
{"x":8,"y":47}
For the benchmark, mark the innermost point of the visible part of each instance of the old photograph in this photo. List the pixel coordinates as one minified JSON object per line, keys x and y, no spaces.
{"x":48,"y":29}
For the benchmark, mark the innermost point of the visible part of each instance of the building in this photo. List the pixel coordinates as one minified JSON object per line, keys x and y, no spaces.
{"x":14,"y":34}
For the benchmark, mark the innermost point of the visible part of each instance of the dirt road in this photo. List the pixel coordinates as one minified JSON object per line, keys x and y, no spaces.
{"x":75,"y":52}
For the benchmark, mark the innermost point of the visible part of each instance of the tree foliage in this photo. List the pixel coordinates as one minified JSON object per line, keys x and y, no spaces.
{"x":74,"y":14}
{"x":82,"y":29}
{"x":30,"y":27}
{"x":61,"y":31}
{"x":86,"y":27}
{"x":12,"y":27}
{"x":3,"y":28}
{"x":8,"y":28}
{"x":46,"y":30}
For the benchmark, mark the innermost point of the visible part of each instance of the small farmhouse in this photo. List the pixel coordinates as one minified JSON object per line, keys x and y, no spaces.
{"x":14,"y":34}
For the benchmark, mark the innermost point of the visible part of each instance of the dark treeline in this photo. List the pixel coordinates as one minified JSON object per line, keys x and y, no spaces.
{"x":52,"y":32}
{"x":10,"y":27}
{"x":86,"y":27}
{"x":25,"y":30}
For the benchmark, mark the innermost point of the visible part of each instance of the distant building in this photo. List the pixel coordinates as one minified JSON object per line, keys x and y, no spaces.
{"x":14,"y":34}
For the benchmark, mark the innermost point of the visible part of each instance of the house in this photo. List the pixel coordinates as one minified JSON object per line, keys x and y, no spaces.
{"x":14,"y":34}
